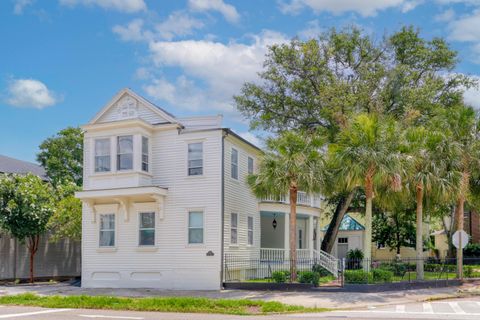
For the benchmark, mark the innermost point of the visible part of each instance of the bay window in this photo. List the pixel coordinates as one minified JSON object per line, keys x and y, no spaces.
{"x":102,"y":155}
{"x":125,"y":153}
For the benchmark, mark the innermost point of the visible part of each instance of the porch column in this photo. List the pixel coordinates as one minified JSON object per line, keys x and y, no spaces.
{"x":286,"y":244}
{"x":310,"y":235}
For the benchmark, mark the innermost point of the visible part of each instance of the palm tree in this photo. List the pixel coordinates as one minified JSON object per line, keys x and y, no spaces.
{"x":367,"y":153}
{"x":462,"y":124}
{"x":430,"y":153}
{"x":291,"y":162}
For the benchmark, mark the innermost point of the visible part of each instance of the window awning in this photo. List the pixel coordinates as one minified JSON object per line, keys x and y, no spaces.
{"x":124,"y":197}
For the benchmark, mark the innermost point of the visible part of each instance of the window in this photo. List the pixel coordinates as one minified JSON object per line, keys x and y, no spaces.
{"x":145,"y":154}
{"x":342,"y":240}
{"x":102,"y":155}
{"x":300,"y":239}
{"x":195,"y":159}
{"x":233,"y":228}
{"x":250,"y":230}
{"x":250,"y":165}
{"x":107,"y":230}
{"x":380,"y":245}
{"x":125,"y":153}
{"x":195,"y":227}
{"x":234,"y":164}
{"x":147,"y":228}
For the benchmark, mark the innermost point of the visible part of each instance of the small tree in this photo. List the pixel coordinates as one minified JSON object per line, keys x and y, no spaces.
{"x":291,"y":163}
{"x":26,"y":205}
{"x":62,"y":156}
{"x":66,"y":221}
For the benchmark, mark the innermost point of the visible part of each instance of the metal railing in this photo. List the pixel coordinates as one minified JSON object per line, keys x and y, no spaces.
{"x":303,"y":199}
{"x":369,"y":271}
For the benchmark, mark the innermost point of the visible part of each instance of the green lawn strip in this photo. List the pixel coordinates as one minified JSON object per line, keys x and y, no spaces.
{"x":163,"y":304}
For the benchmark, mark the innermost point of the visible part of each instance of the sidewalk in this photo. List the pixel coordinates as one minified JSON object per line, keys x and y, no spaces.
{"x":337,"y":300}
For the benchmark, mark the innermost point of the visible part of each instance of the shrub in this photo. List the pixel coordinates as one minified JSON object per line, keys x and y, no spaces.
{"x":472,"y":250}
{"x":355,"y":254}
{"x":280,"y":276}
{"x":468,"y":271}
{"x":380,"y":275}
{"x":321,"y":270}
{"x":358,"y":276}
{"x":309,"y":277}
{"x":436,"y":267}
{"x":398,"y":268}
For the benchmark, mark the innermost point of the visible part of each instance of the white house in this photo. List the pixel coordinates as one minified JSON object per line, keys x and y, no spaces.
{"x":165,"y":201}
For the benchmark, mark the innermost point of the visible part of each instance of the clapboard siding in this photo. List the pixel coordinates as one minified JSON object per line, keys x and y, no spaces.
{"x":239,"y":199}
{"x":144,"y":113}
{"x":176,"y":264}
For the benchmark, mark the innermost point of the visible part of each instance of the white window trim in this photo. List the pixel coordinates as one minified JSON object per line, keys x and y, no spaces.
{"x":115,"y":230}
{"x":253,"y":231}
{"x":117,"y":152}
{"x":187,"y":229}
{"x":202,"y":141}
{"x":237,"y":227}
{"x":253,"y":165}
{"x":149,"y":166}
{"x":94,"y":147}
{"x":237,"y":164}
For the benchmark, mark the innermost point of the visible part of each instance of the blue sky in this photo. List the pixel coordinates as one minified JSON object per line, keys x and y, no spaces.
{"x":62,"y":60}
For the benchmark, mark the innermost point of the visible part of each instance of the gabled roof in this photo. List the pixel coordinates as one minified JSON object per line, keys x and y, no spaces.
{"x":348,"y":224}
{"x":161,"y":112}
{"x":11,"y":165}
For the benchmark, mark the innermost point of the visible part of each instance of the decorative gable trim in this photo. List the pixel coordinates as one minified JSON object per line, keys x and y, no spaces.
{"x":140,"y":99}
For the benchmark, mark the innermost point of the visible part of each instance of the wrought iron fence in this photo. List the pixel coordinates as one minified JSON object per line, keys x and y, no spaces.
{"x":240,"y":269}
{"x":365,"y":271}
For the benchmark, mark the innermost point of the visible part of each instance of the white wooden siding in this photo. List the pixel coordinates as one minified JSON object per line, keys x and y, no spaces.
{"x":239,"y":199}
{"x":173,"y":264}
{"x":144,"y":113}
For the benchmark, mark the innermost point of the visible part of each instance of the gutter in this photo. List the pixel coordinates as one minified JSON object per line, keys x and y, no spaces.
{"x":222,"y":240}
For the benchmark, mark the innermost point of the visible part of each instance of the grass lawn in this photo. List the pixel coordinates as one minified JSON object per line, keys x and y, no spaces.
{"x":162,"y":304}
{"x":412,"y":275}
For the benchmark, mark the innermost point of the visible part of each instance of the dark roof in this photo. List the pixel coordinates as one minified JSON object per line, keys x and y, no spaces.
{"x":11,"y":165}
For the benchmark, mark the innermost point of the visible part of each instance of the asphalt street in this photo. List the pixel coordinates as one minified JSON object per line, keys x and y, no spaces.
{"x":462,"y":309}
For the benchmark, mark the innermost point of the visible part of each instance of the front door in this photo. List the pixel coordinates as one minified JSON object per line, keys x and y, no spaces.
{"x":342,"y":247}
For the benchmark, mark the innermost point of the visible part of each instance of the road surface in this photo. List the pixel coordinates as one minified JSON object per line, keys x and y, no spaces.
{"x":462,"y":309}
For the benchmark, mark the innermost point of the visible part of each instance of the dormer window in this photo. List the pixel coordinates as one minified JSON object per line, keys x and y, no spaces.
{"x":125,"y":153}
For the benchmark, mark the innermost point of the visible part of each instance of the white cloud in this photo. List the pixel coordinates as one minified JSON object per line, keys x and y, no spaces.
{"x":128,"y":6}
{"x":176,"y":24}
{"x":466,"y":28}
{"x":30,"y":93}
{"x":312,"y":30}
{"x":227,"y":10}
{"x":133,"y":31}
{"x":472,"y":95}
{"x":363,"y":7}
{"x":446,"y":16}
{"x":221,"y":68}
{"x":19,"y":5}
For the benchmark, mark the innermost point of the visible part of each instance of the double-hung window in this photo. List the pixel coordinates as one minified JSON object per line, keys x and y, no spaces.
{"x":250,"y":165}
{"x":195,"y":227}
{"x":195,"y":159}
{"x":250,"y":230}
{"x":147,"y":228}
{"x":234,"y":164}
{"x":234,"y":228}
{"x":125,"y":153}
{"x":107,"y":230}
{"x":102,"y":155}
{"x":145,"y":154}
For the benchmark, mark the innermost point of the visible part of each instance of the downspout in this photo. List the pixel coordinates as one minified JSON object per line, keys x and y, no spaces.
{"x":222,"y":240}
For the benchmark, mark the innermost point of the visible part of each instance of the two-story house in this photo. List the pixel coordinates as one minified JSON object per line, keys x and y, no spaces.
{"x":165,"y":199}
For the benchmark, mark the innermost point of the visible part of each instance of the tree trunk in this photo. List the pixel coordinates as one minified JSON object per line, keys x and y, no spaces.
{"x":419,"y":231}
{"x":332,"y":231}
{"x":293,"y":232}
{"x":367,"y":240}
{"x":460,"y":219}
{"x":32,"y":247}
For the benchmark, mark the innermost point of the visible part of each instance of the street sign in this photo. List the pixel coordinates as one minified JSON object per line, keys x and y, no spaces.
{"x":456,"y":239}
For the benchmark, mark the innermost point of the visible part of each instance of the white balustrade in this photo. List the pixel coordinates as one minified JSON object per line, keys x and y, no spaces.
{"x":303,"y":199}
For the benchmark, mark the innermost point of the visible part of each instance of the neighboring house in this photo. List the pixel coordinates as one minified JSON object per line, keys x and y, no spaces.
{"x":350,"y":236}
{"x":53,"y":259}
{"x":166,"y":203}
